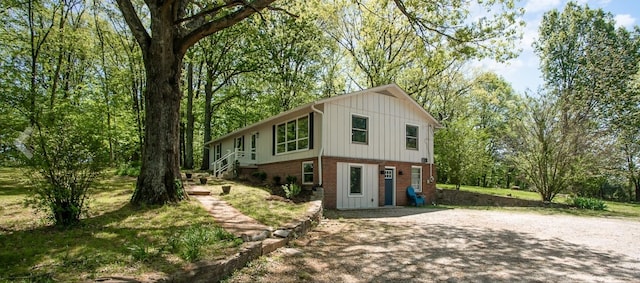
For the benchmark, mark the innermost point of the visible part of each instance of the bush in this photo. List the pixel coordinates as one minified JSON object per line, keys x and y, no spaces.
{"x":260,"y":175}
{"x":67,"y":156}
{"x":292,"y":179}
{"x":587,"y":203}
{"x":291,"y":190}
{"x":277,"y":180}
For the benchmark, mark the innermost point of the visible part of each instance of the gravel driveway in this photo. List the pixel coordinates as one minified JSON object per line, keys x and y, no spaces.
{"x":456,"y":245}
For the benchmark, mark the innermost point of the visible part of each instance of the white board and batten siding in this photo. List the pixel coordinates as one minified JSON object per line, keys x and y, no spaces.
{"x":387,"y":119}
{"x":369,"y":196}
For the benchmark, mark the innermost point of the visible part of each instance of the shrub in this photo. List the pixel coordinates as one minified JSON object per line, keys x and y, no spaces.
{"x":260,"y":175}
{"x":587,"y":203}
{"x":68,"y":155}
{"x":291,"y":190}
{"x":292,"y":179}
{"x":277,"y":180}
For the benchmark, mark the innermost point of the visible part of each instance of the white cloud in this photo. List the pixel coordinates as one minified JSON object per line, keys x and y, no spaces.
{"x":534,"y":6}
{"x":624,"y":20}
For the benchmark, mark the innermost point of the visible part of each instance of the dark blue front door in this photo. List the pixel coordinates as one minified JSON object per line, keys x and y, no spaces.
{"x":389,"y":175}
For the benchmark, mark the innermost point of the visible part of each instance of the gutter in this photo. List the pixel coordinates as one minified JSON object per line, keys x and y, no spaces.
{"x":313,"y":107}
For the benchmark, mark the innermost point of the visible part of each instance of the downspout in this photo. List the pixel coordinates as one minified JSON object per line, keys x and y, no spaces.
{"x":321,"y":151}
{"x":430,"y":156}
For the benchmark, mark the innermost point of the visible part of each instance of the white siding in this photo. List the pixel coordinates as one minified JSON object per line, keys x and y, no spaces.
{"x":387,"y":119}
{"x":369,"y":197}
{"x":264,"y":142}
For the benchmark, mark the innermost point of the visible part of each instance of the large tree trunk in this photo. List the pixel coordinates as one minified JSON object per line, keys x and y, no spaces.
{"x":160,"y":157}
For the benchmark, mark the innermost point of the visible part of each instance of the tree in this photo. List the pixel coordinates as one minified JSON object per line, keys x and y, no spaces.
{"x":495,"y":105}
{"x":543,"y":148}
{"x":174,"y":27}
{"x":587,"y":64}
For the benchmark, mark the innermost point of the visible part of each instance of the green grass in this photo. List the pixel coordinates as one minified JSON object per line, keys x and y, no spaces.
{"x":116,"y":239}
{"x":252,"y":202}
{"x":614,"y":209}
{"x":495,"y":191}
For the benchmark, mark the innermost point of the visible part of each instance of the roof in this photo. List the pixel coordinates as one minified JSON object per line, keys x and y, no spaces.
{"x":390,"y":89}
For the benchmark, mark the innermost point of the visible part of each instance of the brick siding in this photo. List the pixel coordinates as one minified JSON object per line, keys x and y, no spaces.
{"x":329,"y":172}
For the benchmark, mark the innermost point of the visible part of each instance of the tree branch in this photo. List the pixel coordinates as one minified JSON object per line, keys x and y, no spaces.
{"x":132,"y":19}
{"x":211,"y":11}
{"x":418,"y":22}
{"x":221,"y":23}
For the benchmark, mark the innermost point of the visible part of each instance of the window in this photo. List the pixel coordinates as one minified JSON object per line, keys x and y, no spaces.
{"x":355,"y":180}
{"x":253,"y":146}
{"x":307,"y":172}
{"x":416,"y":178}
{"x":239,"y":144}
{"x":218,"y":152}
{"x":359,"y":129}
{"x":412,"y":137}
{"x":292,"y":135}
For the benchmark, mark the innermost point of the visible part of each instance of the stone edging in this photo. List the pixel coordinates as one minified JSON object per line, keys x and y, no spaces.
{"x":207,"y":271}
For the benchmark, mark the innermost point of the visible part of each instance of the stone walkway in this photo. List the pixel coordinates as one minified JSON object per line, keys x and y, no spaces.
{"x":230,"y":218}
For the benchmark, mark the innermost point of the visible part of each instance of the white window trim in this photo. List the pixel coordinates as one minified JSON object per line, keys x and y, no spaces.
{"x":419,"y":189}
{"x":417,"y":137}
{"x":368,"y":130}
{"x":361,"y":194}
{"x":303,"y":173}
{"x":297,"y":138}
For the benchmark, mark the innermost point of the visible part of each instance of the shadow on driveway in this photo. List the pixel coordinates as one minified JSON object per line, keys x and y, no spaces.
{"x":353,"y":250}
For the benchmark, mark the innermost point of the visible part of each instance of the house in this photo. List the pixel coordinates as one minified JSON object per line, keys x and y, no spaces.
{"x":364,"y":148}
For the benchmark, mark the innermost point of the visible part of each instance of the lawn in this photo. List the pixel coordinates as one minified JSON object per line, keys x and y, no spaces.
{"x":115,"y":239}
{"x":614,"y":209}
{"x":252,"y":202}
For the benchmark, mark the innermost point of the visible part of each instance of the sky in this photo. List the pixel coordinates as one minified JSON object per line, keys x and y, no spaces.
{"x":523,"y":72}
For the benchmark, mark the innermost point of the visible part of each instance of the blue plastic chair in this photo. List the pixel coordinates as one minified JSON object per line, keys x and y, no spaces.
{"x":414,"y":198}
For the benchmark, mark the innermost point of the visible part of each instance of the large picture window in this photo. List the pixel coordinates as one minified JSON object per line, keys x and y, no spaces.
{"x":307,"y":172}
{"x":416,"y":178}
{"x":359,"y":129}
{"x":412,"y":137}
{"x":292,"y":135}
{"x":355,"y":180}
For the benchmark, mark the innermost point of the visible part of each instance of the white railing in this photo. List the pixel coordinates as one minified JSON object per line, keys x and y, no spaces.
{"x":225,"y":162}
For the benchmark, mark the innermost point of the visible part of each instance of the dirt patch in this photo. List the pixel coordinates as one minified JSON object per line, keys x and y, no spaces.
{"x":425,"y":245}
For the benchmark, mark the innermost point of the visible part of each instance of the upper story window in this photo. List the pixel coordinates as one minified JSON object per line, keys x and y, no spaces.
{"x":412,"y":137}
{"x":292,"y":135}
{"x":359,"y":129}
